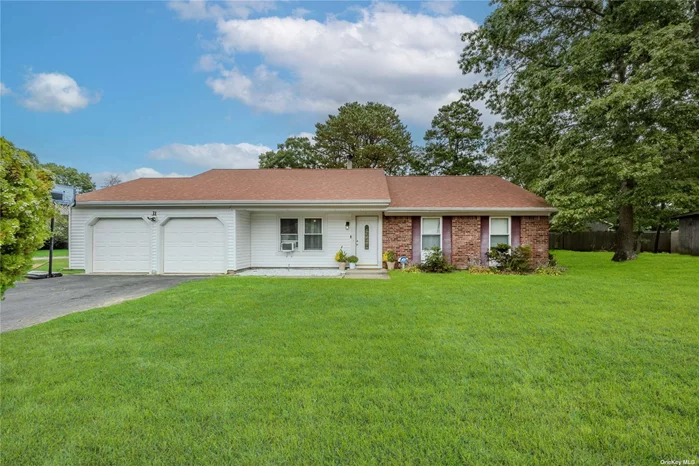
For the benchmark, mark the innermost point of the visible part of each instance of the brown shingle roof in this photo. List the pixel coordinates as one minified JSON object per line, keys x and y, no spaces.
{"x":252,"y":185}
{"x":459,"y":192}
{"x":439,"y":192}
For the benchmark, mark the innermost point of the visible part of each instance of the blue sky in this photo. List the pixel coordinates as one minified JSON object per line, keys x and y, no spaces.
{"x":165,"y":88}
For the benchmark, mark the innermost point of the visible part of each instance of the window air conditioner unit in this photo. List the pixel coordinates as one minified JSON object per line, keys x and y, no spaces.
{"x":287,"y":246}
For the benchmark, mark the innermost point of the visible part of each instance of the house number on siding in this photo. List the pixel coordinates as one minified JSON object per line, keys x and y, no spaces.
{"x":366,"y":237}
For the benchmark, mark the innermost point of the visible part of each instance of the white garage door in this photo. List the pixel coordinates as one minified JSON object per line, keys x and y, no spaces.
{"x":121,"y":245}
{"x":194,"y":245}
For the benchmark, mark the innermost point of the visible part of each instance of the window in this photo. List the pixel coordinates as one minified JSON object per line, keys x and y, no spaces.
{"x":289,"y":229}
{"x":499,"y":231}
{"x":431,"y":233}
{"x":57,"y":196}
{"x":313,"y":234}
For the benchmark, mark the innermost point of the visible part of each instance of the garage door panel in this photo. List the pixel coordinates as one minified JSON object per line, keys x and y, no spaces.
{"x":121,"y":246}
{"x":194,"y":246}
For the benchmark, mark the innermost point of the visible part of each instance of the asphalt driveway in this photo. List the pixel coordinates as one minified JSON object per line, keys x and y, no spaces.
{"x":35,"y":301}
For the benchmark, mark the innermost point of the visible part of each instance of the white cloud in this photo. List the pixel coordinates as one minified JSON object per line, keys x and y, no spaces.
{"x":389,"y":55}
{"x":56,"y":92}
{"x":300,"y":12}
{"x":4,"y":90}
{"x":207,"y":62}
{"x":213,"y":155}
{"x":440,"y":7}
{"x":202,"y":10}
{"x":143,"y":172}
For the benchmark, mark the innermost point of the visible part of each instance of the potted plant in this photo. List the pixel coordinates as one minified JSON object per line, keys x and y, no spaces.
{"x":341,"y":258}
{"x":390,"y":258}
{"x":353,"y":261}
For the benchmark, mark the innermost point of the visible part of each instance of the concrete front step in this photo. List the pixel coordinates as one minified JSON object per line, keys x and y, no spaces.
{"x":369,"y":274}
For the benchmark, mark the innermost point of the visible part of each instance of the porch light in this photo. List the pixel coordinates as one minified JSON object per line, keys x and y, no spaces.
{"x":347,"y":226}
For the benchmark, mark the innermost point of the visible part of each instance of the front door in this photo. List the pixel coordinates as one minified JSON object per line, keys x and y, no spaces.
{"x":368,"y":241}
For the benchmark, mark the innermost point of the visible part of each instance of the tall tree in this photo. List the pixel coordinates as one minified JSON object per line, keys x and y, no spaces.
{"x":25,"y":208}
{"x":71,"y":177}
{"x":599,"y":102}
{"x":295,"y":152}
{"x":371,"y":134}
{"x":454,"y":143}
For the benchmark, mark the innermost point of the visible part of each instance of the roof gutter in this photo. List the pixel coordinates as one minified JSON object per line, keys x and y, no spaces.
{"x":479,"y":210}
{"x":237,"y":203}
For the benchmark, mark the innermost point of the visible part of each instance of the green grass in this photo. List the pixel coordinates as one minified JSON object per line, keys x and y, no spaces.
{"x":56,"y":253}
{"x":599,"y":366}
{"x":59,"y":265}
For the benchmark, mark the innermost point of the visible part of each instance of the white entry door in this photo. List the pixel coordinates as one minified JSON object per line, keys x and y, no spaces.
{"x":368,"y":241}
{"x":194,"y":245}
{"x":121,"y":245}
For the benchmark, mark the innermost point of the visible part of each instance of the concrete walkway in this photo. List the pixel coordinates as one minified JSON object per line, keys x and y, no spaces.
{"x":367,"y":274}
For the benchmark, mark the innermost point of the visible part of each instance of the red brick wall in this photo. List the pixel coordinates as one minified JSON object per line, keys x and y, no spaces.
{"x":535,"y":233}
{"x":465,"y":241}
{"x":398,"y":235}
{"x":466,"y":238}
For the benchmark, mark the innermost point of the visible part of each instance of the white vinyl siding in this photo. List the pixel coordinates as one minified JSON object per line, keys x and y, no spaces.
{"x":252,"y":237}
{"x":265,"y":239}
{"x":499,"y":231}
{"x":76,"y":238}
{"x":242,"y":240}
{"x":83,"y":220}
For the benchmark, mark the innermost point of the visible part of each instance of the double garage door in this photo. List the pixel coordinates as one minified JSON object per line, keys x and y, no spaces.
{"x":189,"y":245}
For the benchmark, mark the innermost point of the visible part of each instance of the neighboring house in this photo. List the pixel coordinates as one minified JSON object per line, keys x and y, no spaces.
{"x":228,"y":220}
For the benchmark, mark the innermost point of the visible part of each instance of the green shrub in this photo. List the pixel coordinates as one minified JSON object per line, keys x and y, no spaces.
{"x":481,"y":270}
{"x":412,"y":269}
{"x":25,"y":197}
{"x":389,"y":256}
{"x":553,"y":262}
{"x":435,"y":262}
{"x":60,"y":233}
{"x":353,"y":259}
{"x":340,"y":256}
{"x":549,"y":270}
{"x":507,"y":259}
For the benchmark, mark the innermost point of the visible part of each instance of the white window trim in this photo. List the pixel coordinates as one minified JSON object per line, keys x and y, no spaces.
{"x":441,"y":232}
{"x":301,"y":232}
{"x":490,"y":231}
{"x":322,"y":234}
{"x":279,"y":232}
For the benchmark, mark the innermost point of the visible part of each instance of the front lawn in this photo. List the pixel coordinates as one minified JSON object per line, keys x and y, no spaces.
{"x":59,"y":265}
{"x":599,"y":366}
{"x":56,"y":253}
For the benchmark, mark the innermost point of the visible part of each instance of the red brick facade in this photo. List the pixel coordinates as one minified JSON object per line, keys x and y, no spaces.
{"x":398,"y":235}
{"x":535,"y":232}
{"x":465,"y":241}
{"x":466,"y":238}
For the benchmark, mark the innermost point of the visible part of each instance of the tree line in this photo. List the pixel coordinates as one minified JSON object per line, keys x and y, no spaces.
{"x":373,"y":136}
{"x":598,"y":108}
